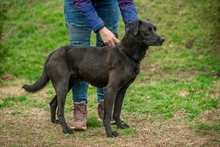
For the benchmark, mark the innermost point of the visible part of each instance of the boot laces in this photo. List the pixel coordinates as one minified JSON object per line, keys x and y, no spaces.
{"x":80,"y":112}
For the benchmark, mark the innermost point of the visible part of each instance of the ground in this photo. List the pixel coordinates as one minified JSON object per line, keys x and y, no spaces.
{"x":33,"y":128}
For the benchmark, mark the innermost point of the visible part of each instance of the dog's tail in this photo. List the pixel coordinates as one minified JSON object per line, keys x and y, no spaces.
{"x":41,"y":82}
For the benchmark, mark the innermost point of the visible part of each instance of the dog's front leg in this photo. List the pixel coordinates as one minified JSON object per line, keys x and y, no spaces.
{"x":117,"y":108}
{"x":110,"y":95}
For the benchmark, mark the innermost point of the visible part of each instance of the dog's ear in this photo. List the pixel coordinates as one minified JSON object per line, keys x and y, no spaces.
{"x":149,"y":20}
{"x":134,"y":25}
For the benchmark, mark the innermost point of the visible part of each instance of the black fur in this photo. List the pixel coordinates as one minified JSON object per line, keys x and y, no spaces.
{"x":113,"y":68}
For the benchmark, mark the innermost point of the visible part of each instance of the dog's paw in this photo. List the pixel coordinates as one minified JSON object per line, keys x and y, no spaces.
{"x":68,"y":131}
{"x":55,"y":121}
{"x":114,"y":134}
{"x":123,"y":126}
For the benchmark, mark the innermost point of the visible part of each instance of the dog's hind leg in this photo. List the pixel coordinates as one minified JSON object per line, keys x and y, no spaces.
{"x":117,"y":108}
{"x":61,"y":90}
{"x":53,"y":108}
{"x":53,"y":104}
{"x":60,"y":80}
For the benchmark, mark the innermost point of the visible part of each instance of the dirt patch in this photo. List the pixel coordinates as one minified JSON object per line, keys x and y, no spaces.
{"x":10,"y":91}
{"x":174,"y":132}
{"x":32,"y":127}
{"x":12,"y":88}
{"x":35,"y":129}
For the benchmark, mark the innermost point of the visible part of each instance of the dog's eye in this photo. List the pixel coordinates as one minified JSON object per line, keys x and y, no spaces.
{"x":148,"y":30}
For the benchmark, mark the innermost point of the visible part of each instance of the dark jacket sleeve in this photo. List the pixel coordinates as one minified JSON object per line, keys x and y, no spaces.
{"x":128,"y":11}
{"x":86,"y":8}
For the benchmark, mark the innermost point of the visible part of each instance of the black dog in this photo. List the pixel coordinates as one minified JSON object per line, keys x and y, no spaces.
{"x":113,"y":68}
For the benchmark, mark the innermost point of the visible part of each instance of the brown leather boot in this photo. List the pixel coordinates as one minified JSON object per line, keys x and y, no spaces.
{"x":100,"y":109}
{"x":80,"y":117}
{"x":101,"y":112}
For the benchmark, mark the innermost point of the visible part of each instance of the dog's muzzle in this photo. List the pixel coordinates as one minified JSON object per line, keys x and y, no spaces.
{"x":161,"y":40}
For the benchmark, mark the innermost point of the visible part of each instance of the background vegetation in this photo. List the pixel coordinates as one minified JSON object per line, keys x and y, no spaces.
{"x":175,"y":101}
{"x":3,"y":50}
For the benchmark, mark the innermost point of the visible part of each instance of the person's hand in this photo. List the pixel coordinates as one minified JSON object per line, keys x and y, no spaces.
{"x":108,"y":37}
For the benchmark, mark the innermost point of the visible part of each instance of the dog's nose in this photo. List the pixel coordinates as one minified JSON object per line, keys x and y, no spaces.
{"x":162,"y":39}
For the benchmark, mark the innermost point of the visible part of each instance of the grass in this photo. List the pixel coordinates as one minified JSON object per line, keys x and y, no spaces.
{"x":175,"y":100}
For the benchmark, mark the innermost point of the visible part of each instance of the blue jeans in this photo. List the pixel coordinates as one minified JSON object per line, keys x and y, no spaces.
{"x":80,"y":32}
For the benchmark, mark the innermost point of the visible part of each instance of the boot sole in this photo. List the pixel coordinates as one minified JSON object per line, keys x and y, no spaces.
{"x":79,"y":128}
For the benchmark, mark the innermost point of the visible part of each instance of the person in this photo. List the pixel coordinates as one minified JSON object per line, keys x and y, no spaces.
{"x":103,"y":17}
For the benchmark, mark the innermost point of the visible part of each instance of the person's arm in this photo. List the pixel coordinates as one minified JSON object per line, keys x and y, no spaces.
{"x":128,"y":10}
{"x":86,"y":8}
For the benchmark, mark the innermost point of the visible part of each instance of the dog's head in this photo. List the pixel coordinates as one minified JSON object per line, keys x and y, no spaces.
{"x":145,"y":30}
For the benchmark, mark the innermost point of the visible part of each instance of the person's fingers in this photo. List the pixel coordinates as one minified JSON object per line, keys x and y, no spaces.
{"x":113,"y":41}
{"x":117,"y":41}
{"x":108,"y":37}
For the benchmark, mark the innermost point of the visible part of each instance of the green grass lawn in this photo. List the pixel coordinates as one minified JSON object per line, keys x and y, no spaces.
{"x":178,"y":87}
